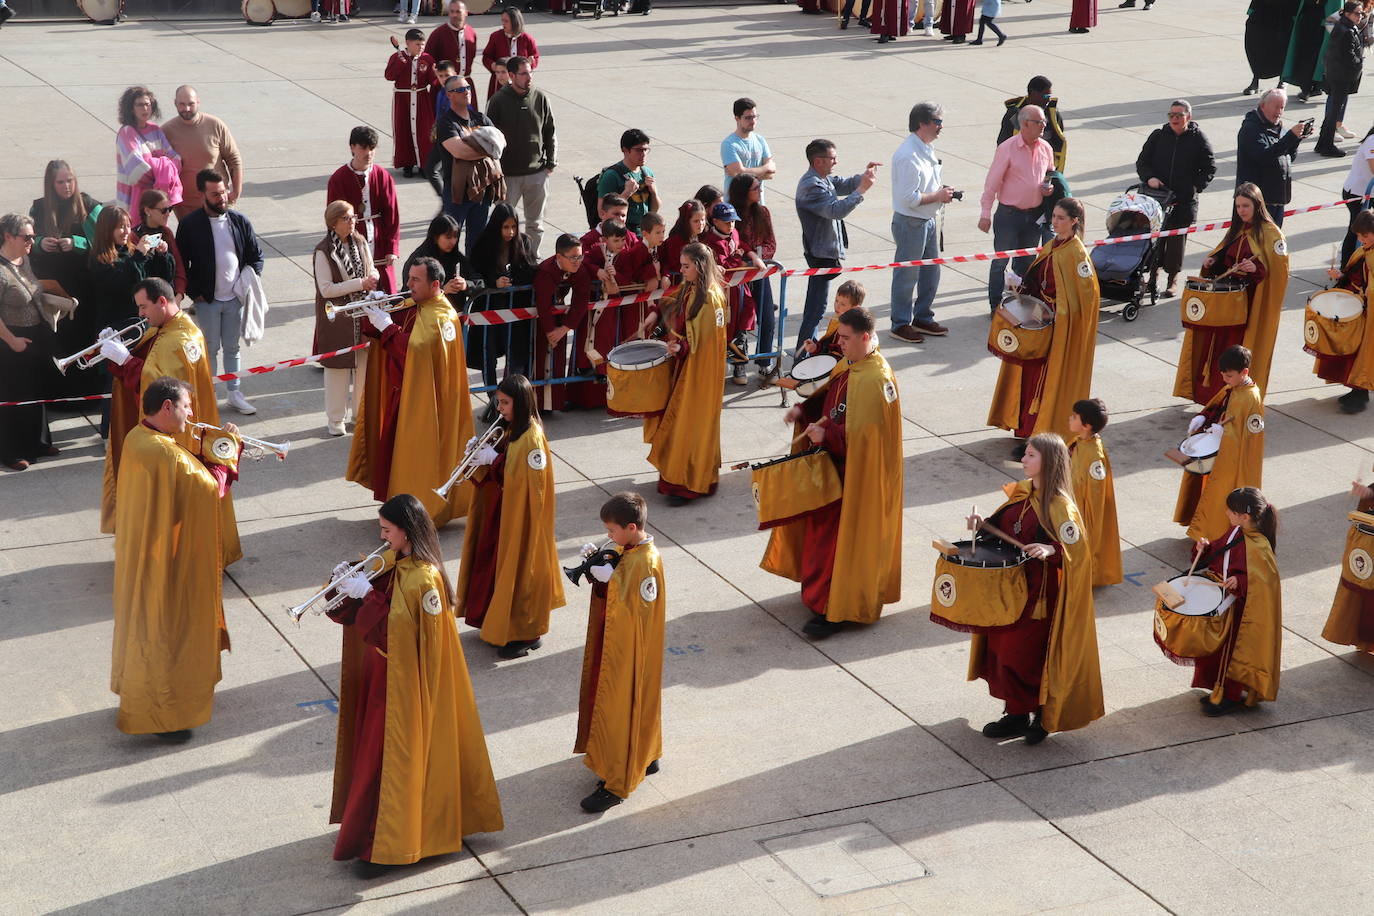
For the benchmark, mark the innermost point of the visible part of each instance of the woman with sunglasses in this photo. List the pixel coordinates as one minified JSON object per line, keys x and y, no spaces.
{"x":154,"y":210}
{"x":26,"y":349}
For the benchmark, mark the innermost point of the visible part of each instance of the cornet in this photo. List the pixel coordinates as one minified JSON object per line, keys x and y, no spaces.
{"x":372,"y":566}
{"x":344,"y":309}
{"x":91,"y":356}
{"x":468,"y":466}
{"x":252,"y":448}
{"x":605,"y":555}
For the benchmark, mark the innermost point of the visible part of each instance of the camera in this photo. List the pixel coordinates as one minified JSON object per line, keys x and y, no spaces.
{"x":957,"y":195}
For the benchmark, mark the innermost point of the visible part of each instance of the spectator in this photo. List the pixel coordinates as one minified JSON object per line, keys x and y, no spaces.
{"x":407,"y":11}
{"x":1177,"y":157}
{"x":219,"y":246}
{"x":1358,"y":182}
{"x":756,"y":235}
{"x":343,"y":272}
{"x":632,"y":179}
{"x":1038,"y":94}
{"x":441,"y":244}
{"x":503,"y":260}
{"x":744,"y":151}
{"x":1265,"y":152}
{"x":1019,"y":184}
{"x":472,"y":147}
{"x":522,"y":114}
{"x":708,"y":195}
{"x":848,"y":12}
{"x":1344,"y":60}
{"x":511,"y":40}
{"x":455,"y":40}
{"x":117,"y":264}
{"x":822,"y":210}
{"x":27,"y":347}
{"x":202,"y":141}
{"x":154,"y":210}
{"x":988,"y":20}
{"x":433,"y":170}
{"x":691,"y":222}
{"x":372,"y":192}
{"x":144,"y":157}
{"x":65,"y":218}
{"x":918,"y":194}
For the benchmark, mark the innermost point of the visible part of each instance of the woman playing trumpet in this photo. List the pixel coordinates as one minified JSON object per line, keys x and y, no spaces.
{"x":344,"y":269}
{"x":509,"y":580}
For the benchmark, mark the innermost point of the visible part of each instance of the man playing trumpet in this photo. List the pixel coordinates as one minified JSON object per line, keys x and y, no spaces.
{"x":172,"y":347}
{"x":416,"y":413}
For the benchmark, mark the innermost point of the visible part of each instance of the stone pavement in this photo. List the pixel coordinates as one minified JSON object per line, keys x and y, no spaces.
{"x":837,"y":777}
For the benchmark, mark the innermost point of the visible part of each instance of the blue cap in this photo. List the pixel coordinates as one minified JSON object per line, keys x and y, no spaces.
{"x":723,"y":210}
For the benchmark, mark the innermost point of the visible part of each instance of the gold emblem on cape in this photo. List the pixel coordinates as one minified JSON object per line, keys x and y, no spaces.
{"x":1161,"y":630}
{"x":447,"y":331}
{"x":1281,"y":247}
{"x":537,"y":459}
{"x":946,"y":592}
{"x":889,"y":391}
{"x":648,"y":589}
{"x":431,"y":603}
{"x":192,"y":350}
{"x":1310,"y":332}
{"x":1085,"y":270}
{"x":610,"y":389}
{"x":1097,"y":471}
{"x":1195,"y":309}
{"x":223,"y":448}
{"x":1006,"y":341}
{"x":720,"y":318}
{"x":1255,"y":423}
{"x":1068,"y":532}
{"x":757,"y":503}
{"x":1360,"y":564}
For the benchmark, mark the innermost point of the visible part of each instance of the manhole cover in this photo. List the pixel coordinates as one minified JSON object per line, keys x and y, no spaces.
{"x":844,"y":859}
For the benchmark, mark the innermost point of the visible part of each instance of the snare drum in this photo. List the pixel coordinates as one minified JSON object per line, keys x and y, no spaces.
{"x":1022,"y":328}
{"x":812,"y":374}
{"x":1334,"y":323}
{"x":1197,"y":628}
{"x":99,"y":10}
{"x":791,"y":488}
{"x":1214,"y":303}
{"x":1202,"y":447}
{"x":639,"y":379}
{"x":982,"y":588}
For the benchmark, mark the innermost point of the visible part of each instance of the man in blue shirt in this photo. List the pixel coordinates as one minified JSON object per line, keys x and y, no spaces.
{"x":745,"y":152}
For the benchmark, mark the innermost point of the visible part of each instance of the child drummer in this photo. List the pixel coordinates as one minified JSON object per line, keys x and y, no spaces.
{"x":1351,"y":621}
{"x":1093,"y":488}
{"x":1245,"y":670}
{"x":1238,"y":409}
{"x":850,"y":294}
{"x":1357,"y":369}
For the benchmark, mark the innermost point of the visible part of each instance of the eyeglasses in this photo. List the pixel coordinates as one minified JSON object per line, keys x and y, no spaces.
{"x":1177,"y":116}
{"x":351,"y":217}
{"x":461,"y":90}
{"x":938,"y":122}
{"x":28,"y":238}
{"x":163,"y":210}
{"x":1031,"y":121}
{"x":572,"y":257}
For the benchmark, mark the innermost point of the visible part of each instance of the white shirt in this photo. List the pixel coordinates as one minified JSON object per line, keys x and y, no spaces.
{"x":226,"y":258}
{"x":915,"y":171}
{"x":1360,"y":170}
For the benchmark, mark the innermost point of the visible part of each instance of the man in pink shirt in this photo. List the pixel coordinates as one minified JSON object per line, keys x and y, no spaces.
{"x":1017,"y":180}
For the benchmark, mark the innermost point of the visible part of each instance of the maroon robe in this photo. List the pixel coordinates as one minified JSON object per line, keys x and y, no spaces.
{"x":383,"y":230}
{"x":1209,"y":343}
{"x":1229,"y":551}
{"x":1084,"y":15}
{"x":395,"y":342}
{"x":551,"y":285}
{"x":500,"y":45}
{"x":443,"y":44}
{"x":729,"y":255}
{"x":956,"y":17}
{"x":412,"y":108}
{"x":890,"y":17}
{"x":640,"y":265}
{"x":823,"y":527}
{"x":482,"y":578}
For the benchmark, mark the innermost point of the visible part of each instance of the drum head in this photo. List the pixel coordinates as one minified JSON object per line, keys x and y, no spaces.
{"x":1200,"y":284}
{"x":1336,"y":303}
{"x":258,"y":11}
{"x":814,"y":367}
{"x":1201,"y":445}
{"x":293,"y":9}
{"x":989,"y":554}
{"x":1028,"y":312}
{"x":1201,"y":598}
{"x":638,"y":354}
{"x":99,"y":10}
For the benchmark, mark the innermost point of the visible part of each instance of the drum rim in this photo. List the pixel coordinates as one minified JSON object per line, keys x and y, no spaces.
{"x":1203,"y":580}
{"x":1213,"y":286}
{"x":1016,"y":298}
{"x":662,"y":357}
{"x":1016,"y":559}
{"x":1212,"y":454}
{"x":814,"y":378}
{"x":1346,"y":294}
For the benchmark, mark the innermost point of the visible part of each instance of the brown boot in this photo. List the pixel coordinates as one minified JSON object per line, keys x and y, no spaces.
{"x":1171,"y":287}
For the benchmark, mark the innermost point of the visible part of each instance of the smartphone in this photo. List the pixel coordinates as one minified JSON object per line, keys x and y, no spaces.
{"x":154,"y":239}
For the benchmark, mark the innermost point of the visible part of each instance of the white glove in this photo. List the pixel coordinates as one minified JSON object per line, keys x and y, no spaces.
{"x":108,"y":332}
{"x":1013,"y":279}
{"x":380,"y":319}
{"x":340,"y":570}
{"x":114,"y":350}
{"x":486,"y":455}
{"x":377,"y":294}
{"x":588,"y":549}
{"x":471,"y":442}
{"x":603,"y":572}
{"x":355,"y":586}
{"x":1195,"y":424}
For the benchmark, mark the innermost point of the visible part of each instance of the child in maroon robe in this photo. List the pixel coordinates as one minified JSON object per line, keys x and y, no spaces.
{"x":412,"y":73}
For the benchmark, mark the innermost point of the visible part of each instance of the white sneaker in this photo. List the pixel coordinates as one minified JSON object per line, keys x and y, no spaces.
{"x":336,"y":429}
{"x":315,"y":16}
{"x":400,"y":16}
{"x":237,"y":401}
{"x":410,"y":20}
{"x":1345,"y":132}
{"x":928,"y":32}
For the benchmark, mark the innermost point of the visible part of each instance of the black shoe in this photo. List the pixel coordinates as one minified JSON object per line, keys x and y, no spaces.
{"x":1001,"y":41}
{"x":519,"y":648}
{"x":844,"y":23}
{"x":948,"y":38}
{"x":1330,"y":152}
{"x":1354,"y":401}
{"x":819,"y":628}
{"x":675,"y":500}
{"x":1009,"y":726}
{"x":1019,"y":451}
{"x":1078,"y":31}
{"x":976,"y":41}
{"x":884,"y":39}
{"x":1252,"y":88}
{"x":369,"y":870}
{"x":1126,"y":5}
{"x":178,"y":737}
{"x":408,"y":171}
{"x":651,"y":769}
{"x":863,"y":21}
{"x":600,"y":800}
{"x":1302,"y":96}
{"x":1036,"y":732}
{"x":960,"y":39}
{"x":1224,"y":708}
{"x":5,"y":14}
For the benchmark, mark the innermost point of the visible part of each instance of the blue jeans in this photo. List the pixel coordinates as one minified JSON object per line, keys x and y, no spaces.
{"x":763,"y":307}
{"x":1011,"y":228}
{"x":916,"y":238}
{"x":926,"y":23}
{"x":220,"y":321}
{"x":1276,"y":211}
{"x":471,"y":217}
{"x":817,"y":293}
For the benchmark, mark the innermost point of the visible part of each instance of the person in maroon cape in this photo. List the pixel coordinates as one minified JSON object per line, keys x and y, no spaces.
{"x":369,"y":188}
{"x":511,"y":40}
{"x":565,"y":271}
{"x":890,"y":19}
{"x":455,"y":40}
{"x":956,"y":19}
{"x":1083,"y":17}
{"x":412,"y":73}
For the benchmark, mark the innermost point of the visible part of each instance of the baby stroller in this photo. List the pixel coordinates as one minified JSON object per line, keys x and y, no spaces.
{"x":1127,"y":272}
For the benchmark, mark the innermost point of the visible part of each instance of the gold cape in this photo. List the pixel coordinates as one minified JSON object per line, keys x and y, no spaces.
{"x":435,"y":419}
{"x":1343,"y":623}
{"x":529,"y":581}
{"x":868,"y":548}
{"x":1262,"y":324}
{"x":1068,"y":374}
{"x":1361,"y":371}
{"x":168,"y":611}
{"x":177,"y":350}
{"x":1253,"y":659}
{"x":1095,"y":494}
{"x":621,"y":733}
{"x":684,"y":441}
{"x":1071,"y":684}
{"x":436,"y":782}
{"x":1240,"y":463}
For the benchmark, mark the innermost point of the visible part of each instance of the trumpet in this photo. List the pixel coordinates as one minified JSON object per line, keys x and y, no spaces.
{"x":346,"y":309}
{"x":372,"y":566}
{"x":468,"y":466}
{"x":605,"y":555}
{"x":252,"y":448}
{"x":91,"y":356}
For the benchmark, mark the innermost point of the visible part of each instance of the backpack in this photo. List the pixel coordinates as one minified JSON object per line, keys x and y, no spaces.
{"x":590,"y":198}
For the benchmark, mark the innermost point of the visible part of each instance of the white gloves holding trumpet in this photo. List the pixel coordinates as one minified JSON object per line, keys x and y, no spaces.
{"x":112,"y":348}
{"x":602,"y":573}
{"x":355,"y":586}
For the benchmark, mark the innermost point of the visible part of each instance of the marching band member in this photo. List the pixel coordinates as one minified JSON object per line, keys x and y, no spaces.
{"x":172,"y":347}
{"x":684,"y":441}
{"x":168,"y":610}
{"x":1238,"y":408}
{"x":619,"y":722}
{"x":1256,"y":248}
{"x":566,"y":272}
{"x":411,"y":775}
{"x":416,"y":412}
{"x":1357,"y":369}
{"x":1045,"y":666}
{"x":850,"y":294}
{"x":1245,"y":670}
{"x":411,"y":71}
{"x":1094,"y":490}
{"x":369,"y":187}
{"x":857,"y":419}
{"x":1351,"y":621}
{"x":1035,"y":396}
{"x":510,"y":580}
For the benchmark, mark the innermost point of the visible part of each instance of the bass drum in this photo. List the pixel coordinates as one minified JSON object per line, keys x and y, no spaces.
{"x":99,"y":10}
{"x":480,"y":6}
{"x":259,"y":12}
{"x":292,"y":9}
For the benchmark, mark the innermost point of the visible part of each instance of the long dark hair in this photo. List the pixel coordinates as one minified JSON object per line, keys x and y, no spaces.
{"x":1250,"y":501}
{"x":103,"y":247}
{"x":487,"y":253}
{"x":682,"y":229}
{"x":1251,"y":192}
{"x":752,"y":214}
{"x":126,"y":106}
{"x":408,"y":513}
{"x":525,"y":407}
{"x":453,"y":261}
{"x":59,"y":214}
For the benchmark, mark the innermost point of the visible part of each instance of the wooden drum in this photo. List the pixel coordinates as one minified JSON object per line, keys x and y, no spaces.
{"x":1334,"y":323}
{"x":981,"y":588}
{"x":99,"y":11}
{"x":259,"y":12}
{"x":1197,"y":628}
{"x":639,"y":379}
{"x":812,"y":374}
{"x":1214,"y":303}
{"x":791,"y":488}
{"x":1022,"y":328}
{"x":293,"y":9}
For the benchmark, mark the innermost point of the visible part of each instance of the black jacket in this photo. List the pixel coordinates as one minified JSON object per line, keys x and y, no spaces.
{"x":1183,"y":162}
{"x":1264,"y":155}
{"x":1344,"y":57}
{"x":1054,"y":127}
{"x":197,"y":245}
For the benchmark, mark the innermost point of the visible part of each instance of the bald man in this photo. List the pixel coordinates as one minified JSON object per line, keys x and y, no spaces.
{"x":202,"y":141}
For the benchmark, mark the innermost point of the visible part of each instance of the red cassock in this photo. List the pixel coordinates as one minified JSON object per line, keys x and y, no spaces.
{"x":729,"y":256}
{"x":383,"y":229}
{"x":1084,"y":15}
{"x":395,"y":343}
{"x":412,"y":107}
{"x":551,"y":285}
{"x":956,"y":17}
{"x":890,"y":17}
{"x":443,"y":44}
{"x":1226,"y":557}
{"x":501,"y":45}
{"x":823,"y":527}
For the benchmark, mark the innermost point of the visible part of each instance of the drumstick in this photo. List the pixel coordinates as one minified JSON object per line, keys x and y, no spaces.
{"x":1188,"y":579}
{"x":821,"y":422}
{"x":999,"y":533}
{"x":395,"y":42}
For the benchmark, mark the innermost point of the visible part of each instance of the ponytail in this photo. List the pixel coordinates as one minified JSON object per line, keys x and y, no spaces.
{"x":1250,"y":501}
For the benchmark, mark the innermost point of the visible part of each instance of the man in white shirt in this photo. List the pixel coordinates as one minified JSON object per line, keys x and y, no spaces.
{"x":917,"y":196}
{"x":745,"y":152}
